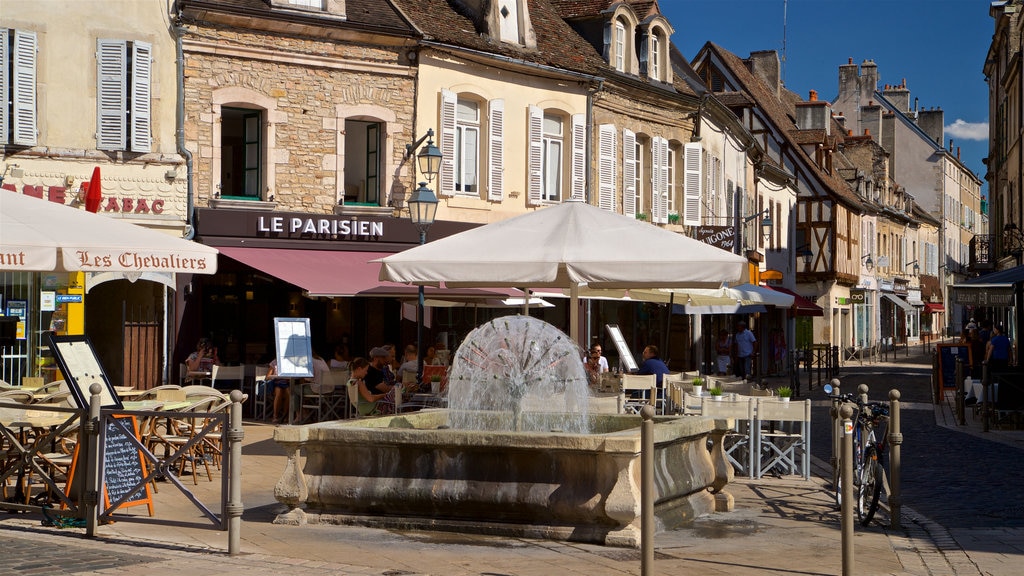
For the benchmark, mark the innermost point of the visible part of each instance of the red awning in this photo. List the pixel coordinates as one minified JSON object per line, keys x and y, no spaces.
{"x":930,"y":307}
{"x":332,"y":273}
{"x":801,"y":306}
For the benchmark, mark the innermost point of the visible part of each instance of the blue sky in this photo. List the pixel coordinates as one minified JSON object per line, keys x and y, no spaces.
{"x":938,"y":46}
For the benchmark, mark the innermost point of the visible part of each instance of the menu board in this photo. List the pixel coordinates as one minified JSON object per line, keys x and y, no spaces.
{"x":948,"y":353}
{"x":625,"y":355}
{"x":81,"y":368}
{"x":294,"y":348}
{"x":123,"y":468}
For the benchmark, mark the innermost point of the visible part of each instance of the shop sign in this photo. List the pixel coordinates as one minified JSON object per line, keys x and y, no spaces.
{"x":885,"y":285}
{"x":983,"y":296}
{"x":856,"y":296}
{"x":123,"y":204}
{"x":318,"y":226}
{"x":723,"y":237}
{"x":69,"y":298}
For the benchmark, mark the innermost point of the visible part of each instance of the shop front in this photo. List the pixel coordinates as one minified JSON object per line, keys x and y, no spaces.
{"x":321,"y":267}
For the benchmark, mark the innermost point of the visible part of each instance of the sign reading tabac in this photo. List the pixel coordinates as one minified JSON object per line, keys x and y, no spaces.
{"x":723,"y":237}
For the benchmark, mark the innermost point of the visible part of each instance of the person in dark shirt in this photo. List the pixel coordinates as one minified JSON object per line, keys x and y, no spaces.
{"x":997,"y":354}
{"x":375,"y":377}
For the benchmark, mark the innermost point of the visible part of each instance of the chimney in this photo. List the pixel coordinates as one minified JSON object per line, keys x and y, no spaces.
{"x":765,"y":65}
{"x":814,"y":114}
{"x":957,"y":152}
{"x":848,"y":81}
{"x":868,"y":80}
{"x":899,"y":96}
{"x":931,"y":122}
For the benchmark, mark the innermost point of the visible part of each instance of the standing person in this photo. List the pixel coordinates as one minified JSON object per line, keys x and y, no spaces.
{"x":723,"y":349}
{"x":997,"y":354}
{"x":745,"y":341}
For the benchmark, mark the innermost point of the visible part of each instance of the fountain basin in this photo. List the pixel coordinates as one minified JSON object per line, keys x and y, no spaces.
{"x":409,"y":471}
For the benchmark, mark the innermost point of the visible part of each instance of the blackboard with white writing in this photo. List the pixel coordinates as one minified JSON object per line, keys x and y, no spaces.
{"x":123,"y":468}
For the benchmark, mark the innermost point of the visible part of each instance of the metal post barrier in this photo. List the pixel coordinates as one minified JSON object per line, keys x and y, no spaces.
{"x":234,"y":507}
{"x":93,"y":458}
{"x":895,"y":440}
{"x":986,"y":384}
{"x":845,"y":412}
{"x":794,"y":373}
{"x":647,"y":490}
{"x":862,"y":390}
{"x":837,"y":435}
{"x":959,"y":396}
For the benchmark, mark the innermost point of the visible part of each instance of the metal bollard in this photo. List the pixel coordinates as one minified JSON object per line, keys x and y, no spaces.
{"x":647,"y":490}
{"x":93,"y":471}
{"x":862,"y":390}
{"x":234,"y":507}
{"x":895,"y":440}
{"x":837,"y":434}
{"x":959,"y":379}
{"x":845,"y":412}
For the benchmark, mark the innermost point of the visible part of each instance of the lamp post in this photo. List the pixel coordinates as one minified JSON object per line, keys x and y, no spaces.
{"x":868,"y":262}
{"x":804,"y":252}
{"x":917,"y":267}
{"x":422,"y":210}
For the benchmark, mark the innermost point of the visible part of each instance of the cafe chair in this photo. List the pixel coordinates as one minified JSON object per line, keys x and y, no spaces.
{"x":783,"y":436}
{"x":223,"y":374}
{"x":16,"y":397}
{"x":181,"y":435}
{"x":318,"y":398}
{"x":638,"y":391}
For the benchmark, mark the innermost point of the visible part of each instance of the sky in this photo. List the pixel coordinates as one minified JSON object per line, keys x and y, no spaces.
{"x":938,"y":46}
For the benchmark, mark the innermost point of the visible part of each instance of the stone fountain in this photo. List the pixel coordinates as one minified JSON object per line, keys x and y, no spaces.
{"x":517,"y":454}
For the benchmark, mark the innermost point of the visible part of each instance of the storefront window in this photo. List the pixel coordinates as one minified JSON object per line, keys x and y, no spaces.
{"x":862,"y":315}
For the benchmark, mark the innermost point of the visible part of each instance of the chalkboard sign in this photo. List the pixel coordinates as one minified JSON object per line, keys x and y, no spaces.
{"x":948,"y":353}
{"x":122,"y":464}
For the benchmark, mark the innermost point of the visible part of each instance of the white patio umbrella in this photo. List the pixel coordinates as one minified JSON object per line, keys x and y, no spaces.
{"x":38,"y":235}
{"x":570,"y":245}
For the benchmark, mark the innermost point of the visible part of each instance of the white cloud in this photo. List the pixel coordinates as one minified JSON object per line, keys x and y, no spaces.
{"x":968,"y":130}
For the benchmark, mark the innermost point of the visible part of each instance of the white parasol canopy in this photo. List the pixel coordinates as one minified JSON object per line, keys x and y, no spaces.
{"x":566,"y":246}
{"x":38,"y":235}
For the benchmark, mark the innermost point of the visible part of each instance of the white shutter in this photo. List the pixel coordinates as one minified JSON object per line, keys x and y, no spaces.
{"x":628,"y":173}
{"x":142,"y":71}
{"x":496,"y":151}
{"x":692,"y":181}
{"x":606,"y":167}
{"x":533,"y":185}
{"x":110,"y":94}
{"x":5,"y":59}
{"x":662,"y":195}
{"x":446,"y":141}
{"x":579,"y":157}
{"x":656,"y":162}
{"x":24,"y":92}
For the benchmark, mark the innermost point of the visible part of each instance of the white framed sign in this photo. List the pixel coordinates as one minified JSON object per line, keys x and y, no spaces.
{"x":625,"y":355}
{"x":294,"y":348}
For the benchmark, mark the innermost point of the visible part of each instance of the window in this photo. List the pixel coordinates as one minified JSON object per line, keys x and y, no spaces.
{"x":508,"y":16}
{"x":629,"y":173}
{"x":467,"y":146}
{"x":654,"y":58}
{"x":123,"y":70}
{"x":659,"y":179}
{"x":607,"y":161}
{"x":315,"y":4}
{"x":620,"y":46}
{"x":364,"y":161}
{"x":241,"y":153}
{"x":18,"y":87}
{"x":670,"y":187}
{"x":552,"y":165}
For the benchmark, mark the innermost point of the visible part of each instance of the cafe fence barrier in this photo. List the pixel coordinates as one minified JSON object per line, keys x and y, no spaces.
{"x":111,"y":465}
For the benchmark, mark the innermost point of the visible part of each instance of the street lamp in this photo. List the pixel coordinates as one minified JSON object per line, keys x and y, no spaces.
{"x":805,"y":253}
{"x":422,"y":211}
{"x":917,"y":268}
{"x":766,"y":227}
{"x":868,"y":262}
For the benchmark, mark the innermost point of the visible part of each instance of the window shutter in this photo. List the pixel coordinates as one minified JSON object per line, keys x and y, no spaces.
{"x":496,"y":158}
{"x":692,"y":181}
{"x":628,"y":173}
{"x":579,"y":156}
{"x":24,"y":73}
{"x":662,"y":199}
{"x":606,"y":168}
{"x":5,"y":59}
{"x":656,"y":162}
{"x":110,"y":94}
{"x":142,"y":71}
{"x":446,"y":173}
{"x":533,"y":185}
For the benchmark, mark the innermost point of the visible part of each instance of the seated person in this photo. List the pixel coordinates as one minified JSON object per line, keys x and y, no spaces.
{"x":203,"y":359}
{"x":592,"y":366}
{"x":340,"y":359}
{"x":654,"y":365}
{"x":369,"y":403}
{"x":279,"y":387}
{"x":410,"y":364}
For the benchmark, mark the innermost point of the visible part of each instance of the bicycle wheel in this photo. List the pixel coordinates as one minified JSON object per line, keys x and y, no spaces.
{"x":858,"y":466}
{"x":870,"y":487}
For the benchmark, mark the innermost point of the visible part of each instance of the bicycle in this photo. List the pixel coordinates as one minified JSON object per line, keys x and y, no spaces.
{"x":869,"y":445}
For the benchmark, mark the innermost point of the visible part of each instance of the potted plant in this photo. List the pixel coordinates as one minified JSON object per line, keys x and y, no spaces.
{"x":716,"y":393}
{"x":698,"y":386}
{"x":435,"y":384}
{"x":673,"y":218}
{"x":784,"y":392}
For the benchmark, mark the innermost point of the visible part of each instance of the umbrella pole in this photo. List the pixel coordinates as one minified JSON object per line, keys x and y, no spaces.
{"x":526,"y":301}
{"x":668,"y":327}
{"x":574,"y":314}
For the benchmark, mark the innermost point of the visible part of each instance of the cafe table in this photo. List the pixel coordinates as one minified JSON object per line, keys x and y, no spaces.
{"x":27,"y":446}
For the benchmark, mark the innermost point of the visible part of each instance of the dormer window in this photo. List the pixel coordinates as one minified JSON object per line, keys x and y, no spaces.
{"x":620,"y":46}
{"x":332,"y":8}
{"x":655,"y":57}
{"x":508,"y":18}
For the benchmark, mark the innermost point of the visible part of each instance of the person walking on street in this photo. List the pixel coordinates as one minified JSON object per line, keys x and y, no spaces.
{"x":745,"y":341}
{"x":997,"y":353}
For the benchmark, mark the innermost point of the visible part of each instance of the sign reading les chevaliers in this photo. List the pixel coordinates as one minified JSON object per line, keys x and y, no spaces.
{"x":718,"y":236}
